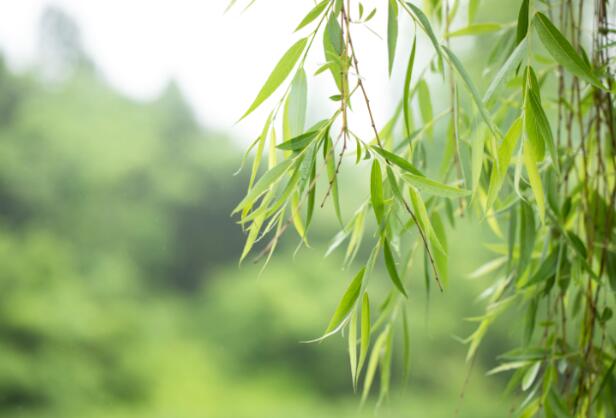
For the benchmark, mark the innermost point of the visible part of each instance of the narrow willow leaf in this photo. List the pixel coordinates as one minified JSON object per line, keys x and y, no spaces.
{"x":311,"y":194}
{"x":373,"y":363}
{"x":434,"y":187}
{"x":393,"y":183}
{"x":473,"y":6}
{"x":294,"y":117}
{"x":426,"y":26}
{"x":397,"y":160}
{"x":332,"y":48}
{"x":477,"y":152}
{"x":376,"y":192}
{"x":507,"y":67}
{"x":391,"y":267}
{"x":440,"y":254}
{"x":407,"y":89}
{"x":392,"y":32}
{"x":471,"y":87}
{"x":476,"y":29}
{"x":423,"y":219}
{"x":562,"y":51}
{"x":259,"y":153}
{"x":542,"y":126}
{"x":527,"y":236}
{"x":312,"y":14}
{"x":357,"y":234}
{"x":253,"y":233}
{"x":365,"y":333}
{"x":425,"y":106}
{"x":522,"y":28}
{"x":530,"y":375}
{"x":267,"y":180}
{"x":505,"y":152}
{"x":530,"y":162}
{"x":386,"y":366}
{"x":347,"y":302}
{"x":546,"y":270}
{"x":299,"y":142}
{"x":352,"y":345}
{"x":513,"y":365}
{"x":279,"y":74}
{"x":296,"y":217}
{"x":330,"y":162}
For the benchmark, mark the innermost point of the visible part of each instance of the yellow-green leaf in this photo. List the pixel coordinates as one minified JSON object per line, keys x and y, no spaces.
{"x":279,"y":74}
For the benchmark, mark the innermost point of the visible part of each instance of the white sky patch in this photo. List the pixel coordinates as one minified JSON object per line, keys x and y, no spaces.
{"x":220,"y":60}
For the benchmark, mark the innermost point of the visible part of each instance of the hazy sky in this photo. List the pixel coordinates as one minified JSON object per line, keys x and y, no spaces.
{"x":220,"y":60}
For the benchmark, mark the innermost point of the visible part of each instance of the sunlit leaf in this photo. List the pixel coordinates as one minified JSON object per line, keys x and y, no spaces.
{"x":279,"y":74}
{"x":392,"y":33}
{"x":313,"y":14}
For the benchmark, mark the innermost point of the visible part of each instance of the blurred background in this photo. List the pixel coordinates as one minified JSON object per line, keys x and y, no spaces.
{"x":120,"y":290}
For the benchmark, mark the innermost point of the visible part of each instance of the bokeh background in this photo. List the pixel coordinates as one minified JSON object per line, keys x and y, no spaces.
{"x":120,"y":290}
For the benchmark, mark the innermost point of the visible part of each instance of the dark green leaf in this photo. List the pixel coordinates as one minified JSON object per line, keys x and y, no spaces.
{"x":562,"y":51}
{"x":391,"y":267}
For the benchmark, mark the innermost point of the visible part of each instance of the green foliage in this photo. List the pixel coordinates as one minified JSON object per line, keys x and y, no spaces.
{"x":556,"y":260}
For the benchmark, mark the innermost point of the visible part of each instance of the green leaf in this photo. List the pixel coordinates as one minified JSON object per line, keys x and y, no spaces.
{"x":373,"y":362}
{"x":330,"y":162}
{"x":530,"y":375}
{"x":376,"y":192}
{"x":440,"y":254}
{"x":386,"y":367}
{"x":530,"y":161}
{"x":540,"y":126}
{"x":346,"y":303}
{"x":391,"y":177}
{"x":505,"y":152}
{"x":407,"y":89}
{"x":476,"y":29}
{"x":546,"y":270}
{"x":473,"y":6}
{"x":332,"y":48}
{"x":267,"y":180}
{"x":423,"y":219}
{"x":279,"y":74}
{"x":434,"y":187}
{"x":352,"y":345}
{"x":392,"y":32}
{"x":507,"y":67}
{"x":391,"y":267}
{"x":527,"y":236}
{"x":425,"y":24}
{"x":425,"y":106}
{"x":477,"y":152}
{"x":471,"y":87}
{"x":562,"y":51}
{"x":397,"y":160}
{"x":522,"y":28}
{"x":365,"y":333}
{"x":299,"y":142}
{"x":295,"y":107}
{"x":312,"y":14}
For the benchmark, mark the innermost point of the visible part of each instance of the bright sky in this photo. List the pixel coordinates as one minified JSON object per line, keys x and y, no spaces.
{"x":220,"y":60}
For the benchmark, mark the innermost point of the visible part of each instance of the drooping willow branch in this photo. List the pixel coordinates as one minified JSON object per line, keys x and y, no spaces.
{"x":554,"y":194}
